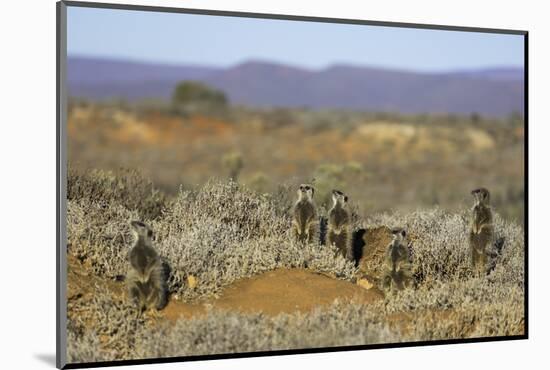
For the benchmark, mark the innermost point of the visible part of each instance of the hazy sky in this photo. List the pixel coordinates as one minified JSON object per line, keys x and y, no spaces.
{"x":226,"y":41}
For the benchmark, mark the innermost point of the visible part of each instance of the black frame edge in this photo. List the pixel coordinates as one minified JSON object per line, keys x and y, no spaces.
{"x":289,"y":17}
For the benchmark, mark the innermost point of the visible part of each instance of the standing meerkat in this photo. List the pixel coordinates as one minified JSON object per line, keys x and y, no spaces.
{"x":339,"y":224}
{"x":305,"y":222}
{"x":145,"y":276}
{"x":397,"y":272}
{"x":482,"y":231}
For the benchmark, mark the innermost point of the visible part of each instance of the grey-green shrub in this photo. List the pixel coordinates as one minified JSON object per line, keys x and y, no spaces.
{"x":224,"y":332}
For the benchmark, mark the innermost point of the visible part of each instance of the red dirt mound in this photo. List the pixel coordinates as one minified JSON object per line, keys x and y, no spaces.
{"x":279,"y":291}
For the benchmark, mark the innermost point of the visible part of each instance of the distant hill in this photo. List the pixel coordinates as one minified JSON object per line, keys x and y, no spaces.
{"x":494,"y":92}
{"x":500,"y":74}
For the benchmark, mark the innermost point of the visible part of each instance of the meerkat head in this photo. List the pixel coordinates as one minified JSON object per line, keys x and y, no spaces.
{"x":481,"y":196}
{"x":399,"y":234}
{"x":305,"y":190}
{"x":141,"y":230}
{"x":339,"y":198}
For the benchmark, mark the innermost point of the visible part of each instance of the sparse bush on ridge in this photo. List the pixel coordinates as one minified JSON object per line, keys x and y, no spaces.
{"x":194,"y":96}
{"x":224,"y":232}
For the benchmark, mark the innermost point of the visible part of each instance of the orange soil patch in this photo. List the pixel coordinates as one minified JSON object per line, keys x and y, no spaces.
{"x":81,"y":282}
{"x":177,"y":309}
{"x":271,"y":293}
{"x":278,"y":291}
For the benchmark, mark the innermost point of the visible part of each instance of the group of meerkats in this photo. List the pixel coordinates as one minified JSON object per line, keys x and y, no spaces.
{"x":146,"y":281}
{"x":397,"y":272}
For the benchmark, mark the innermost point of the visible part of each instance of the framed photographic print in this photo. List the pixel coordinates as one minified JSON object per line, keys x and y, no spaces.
{"x":236,"y":184}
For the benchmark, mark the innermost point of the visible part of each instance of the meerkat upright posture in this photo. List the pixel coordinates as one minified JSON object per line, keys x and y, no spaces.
{"x":305,"y":222}
{"x":339,"y":225}
{"x":482,"y":232}
{"x":145,"y":276}
{"x":397,"y":272}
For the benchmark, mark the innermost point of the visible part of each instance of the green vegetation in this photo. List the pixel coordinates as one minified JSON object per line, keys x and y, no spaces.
{"x":191,"y":96}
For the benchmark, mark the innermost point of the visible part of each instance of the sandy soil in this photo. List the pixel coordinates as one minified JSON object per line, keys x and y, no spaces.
{"x":271,"y":293}
{"x":81,"y":281}
{"x":278,"y":291}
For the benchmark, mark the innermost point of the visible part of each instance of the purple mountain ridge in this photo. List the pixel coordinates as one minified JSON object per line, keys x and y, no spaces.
{"x":492,"y":92}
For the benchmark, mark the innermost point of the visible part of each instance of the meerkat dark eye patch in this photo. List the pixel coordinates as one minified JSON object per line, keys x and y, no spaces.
{"x":403,"y":233}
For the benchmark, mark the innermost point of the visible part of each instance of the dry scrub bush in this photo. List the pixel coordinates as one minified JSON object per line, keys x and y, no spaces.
{"x":126,"y":187}
{"x":440,"y":245}
{"x":99,"y":234}
{"x":224,"y":232}
{"x":226,"y":332}
{"x":102,"y":328}
{"x":487,"y":306}
{"x":473,"y":322}
{"x":229,"y":332}
{"x":218,"y":234}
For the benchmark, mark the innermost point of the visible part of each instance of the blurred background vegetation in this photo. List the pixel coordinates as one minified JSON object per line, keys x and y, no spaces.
{"x":384,"y":161}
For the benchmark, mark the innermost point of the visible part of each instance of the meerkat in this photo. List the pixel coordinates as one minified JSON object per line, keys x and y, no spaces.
{"x":482,"y":232}
{"x":305,"y":222}
{"x":397,"y":273}
{"x":145,"y":276}
{"x":339,"y":225}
